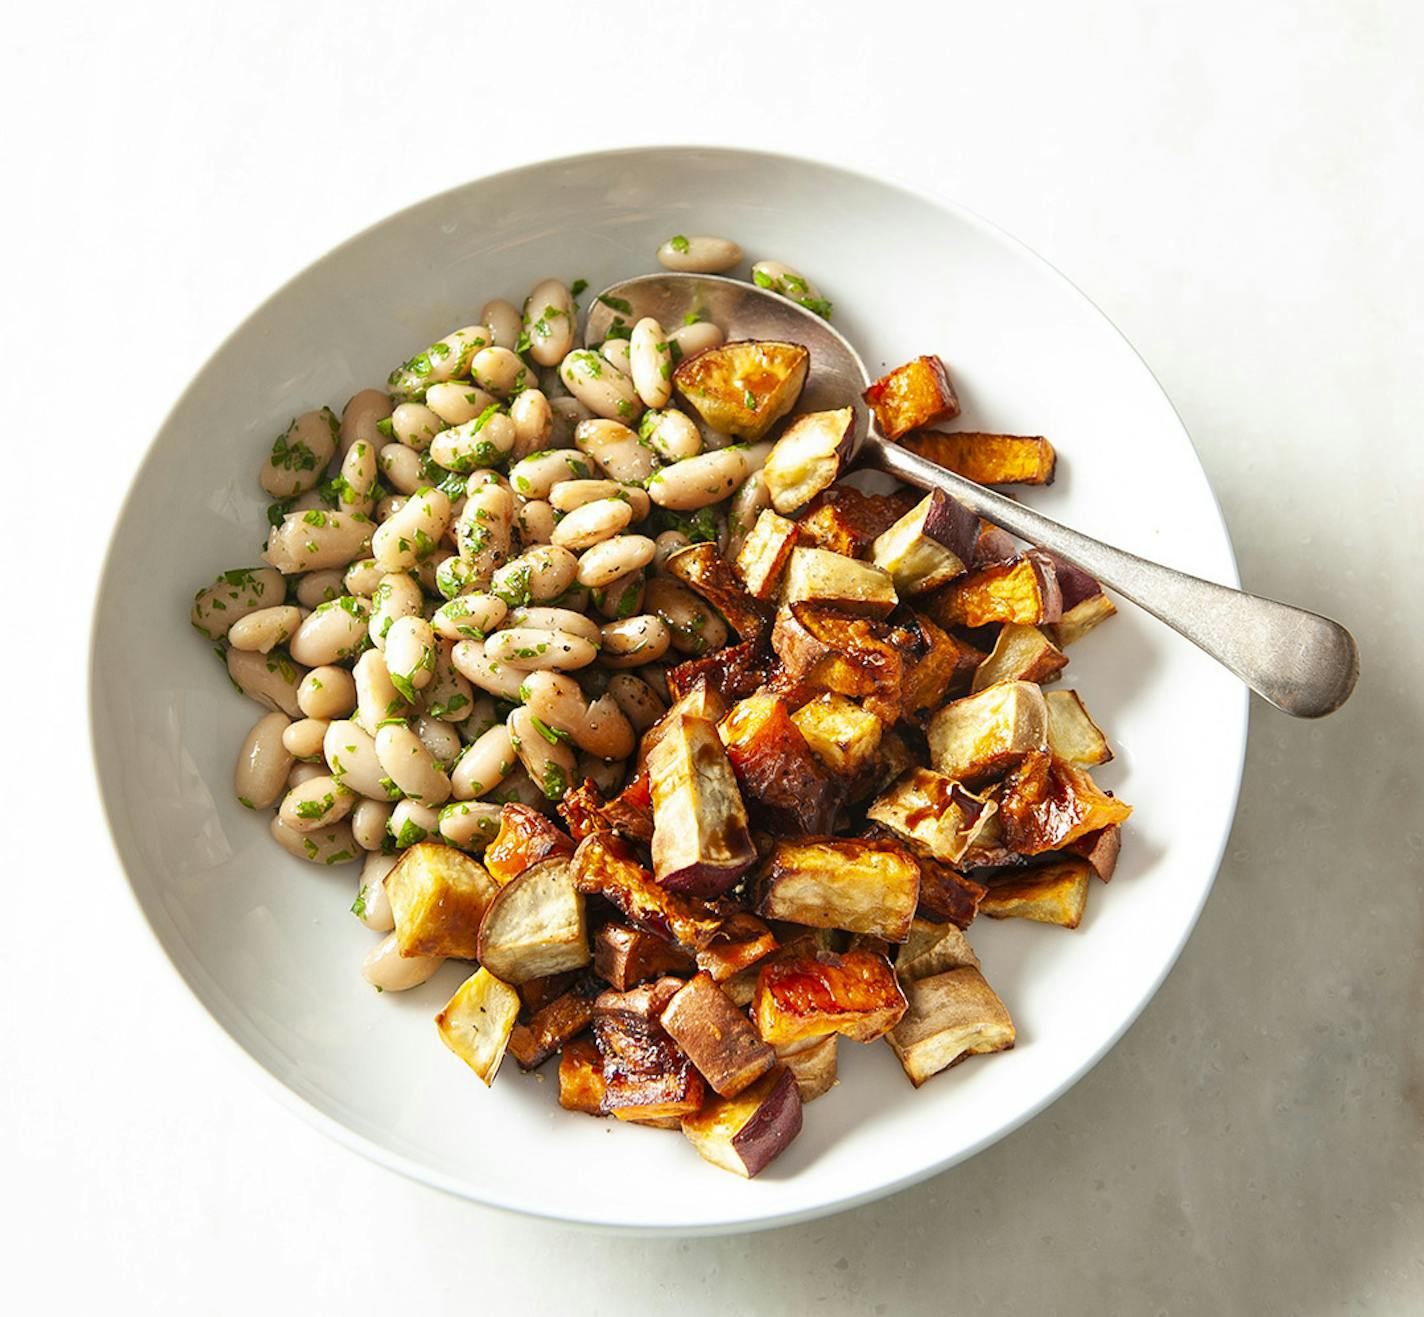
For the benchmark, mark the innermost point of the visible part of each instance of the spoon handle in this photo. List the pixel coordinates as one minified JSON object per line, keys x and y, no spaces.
{"x":1300,"y":662}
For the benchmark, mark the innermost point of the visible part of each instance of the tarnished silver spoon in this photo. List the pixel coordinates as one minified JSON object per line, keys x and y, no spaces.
{"x":1298,"y":661}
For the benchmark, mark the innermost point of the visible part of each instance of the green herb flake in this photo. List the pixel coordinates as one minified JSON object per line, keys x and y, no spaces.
{"x":678,"y":242}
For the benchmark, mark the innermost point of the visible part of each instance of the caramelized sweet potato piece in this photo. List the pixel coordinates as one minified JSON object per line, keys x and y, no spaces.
{"x":605,"y":865}
{"x":929,"y":546}
{"x":808,"y":457}
{"x":1055,"y":893}
{"x":843,"y":736}
{"x":626,"y":957}
{"x":731,"y":673}
{"x":912,"y":396}
{"x":550,"y":1028}
{"x":860,"y":886}
{"x":893,"y":759}
{"x":1072,"y":734}
{"x":646,"y":1075}
{"x":744,"y":1134}
{"x":1081,"y":618}
{"x":743,"y":388}
{"x":1100,"y":849}
{"x":1025,"y":591}
{"x":946,"y":895}
{"x":821,"y":647}
{"x":525,"y":837}
{"x":629,"y":813}
{"x":535,"y":926}
{"x":787,"y":789}
{"x":1046,"y":805}
{"x":438,"y":896}
{"x":932,"y":949}
{"x":1021,"y":653}
{"x":476,"y":1022}
{"x":765,"y":553}
{"x":820,"y":992}
{"x":812,"y":1063}
{"x":844,"y":520}
{"x":702,"y":569}
{"x":581,"y":1086}
{"x":717,"y":1037}
{"x":987,"y":459}
{"x":701,"y":844}
{"x":983,"y":735}
{"x":934,"y":815}
{"x":938,"y":665}
{"x":818,"y":576}
{"x":994,"y":545}
{"x":742,"y":941}
{"x":950,"y":1016}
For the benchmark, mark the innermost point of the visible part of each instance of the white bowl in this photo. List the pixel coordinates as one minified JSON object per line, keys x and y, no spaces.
{"x":266,"y":942}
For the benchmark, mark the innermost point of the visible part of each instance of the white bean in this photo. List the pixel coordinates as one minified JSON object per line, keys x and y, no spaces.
{"x":328,"y":845}
{"x":555,"y":700}
{"x":499,"y":371}
{"x":655,"y":674}
{"x":388,"y":971}
{"x":412,"y":822}
{"x":373,"y":907}
{"x":533,"y":421}
{"x":235,"y":595}
{"x":641,"y":704}
{"x":303,"y":772}
{"x":402,"y":469}
{"x":410,"y":765}
{"x":549,"y":322}
{"x":605,"y":731}
{"x":362,"y":578}
{"x":469,"y":616}
{"x":264,"y":630}
{"x":359,"y":473}
{"x":567,"y":412}
{"x":622,"y":596}
{"x":414,"y":533}
{"x":650,"y":361}
{"x":601,"y":387}
{"x":484,"y":442}
{"x":448,"y":697}
{"x":360,"y":418}
{"x":537,"y":475}
{"x":270,"y":679}
{"x":532,"y":648}
{"x":351,"y":755}
{"x":319,"y":802}
{"x":520,"y":787}
{"x":695,"y":628}
{"x":504,"y":322}
{"x":615,"y":352}
{"x":369,"y":820}
{"x":550,"y":763}
{"x":483,"y":715}
{"x":304,"y":738}
{"x":634,"y":641}
{"x":617,"y":450}
{"x":410,"y":655}
{"x":484,"y":765}
{"x":457,"y":401}
{"x":376,"y":695}
{"x":698,"y":482}
{"x":607,"y":775}
{"x":689,"y":340}
{"x":335,"y":630}
{"x":317,"y":588}
{"x":671,"y":434}
{"x":614,"y":558}
{"x":453,"y":576}
{"x":314,"y":540}
{"x":398,"y":595}
{"x":701,"y":253}
{"x":484,"y":531}
{"x":300,"y":454}
{"x":781,"y":278}
{"x":493,"y":677}
{"x":571,"y":494}
{"x":556,"y":619}
{"x":442,"y":740}
{"x":748,"y":503}
{"x":445,"y":359}
{"x":327,"y":693}
{"x":415,"y":425}
{"x":592,"y":523}
{"x":535,"y":522}
{"x":537,"y":576}
{"x":263,"y":762}
{"x":470,"y":825}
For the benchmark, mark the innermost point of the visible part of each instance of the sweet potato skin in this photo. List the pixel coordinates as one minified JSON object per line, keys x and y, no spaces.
{"x":646,"y":1074}
{"x":987,"y":459}
{"x":912,"y":396}
{"x":550,"y":1028}
{"x":625,"y":957}
{"x":743,"y":1134}
{"x":720,"y":1041}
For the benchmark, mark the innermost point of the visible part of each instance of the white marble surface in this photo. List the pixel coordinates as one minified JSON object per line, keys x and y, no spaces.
{"x":1237,"y":186}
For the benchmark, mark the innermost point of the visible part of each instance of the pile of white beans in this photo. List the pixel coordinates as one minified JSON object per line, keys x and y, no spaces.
{"x":464,"y":601}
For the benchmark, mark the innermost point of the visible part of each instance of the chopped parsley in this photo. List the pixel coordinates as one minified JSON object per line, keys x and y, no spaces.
{"x":677,"y":242}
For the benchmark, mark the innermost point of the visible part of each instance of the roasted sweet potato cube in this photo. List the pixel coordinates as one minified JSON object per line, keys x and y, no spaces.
{"x":932,"y":814}
{"x":818,"y":576}
{"x":846,"y":521}
{"x":743,"y":388}
{"x":1046,"y":805}
{"x":629,"y":814}
{"x":703,"y":570}
{"x":1100,"y":849}
{"x":581,"y":1086}
{"x":859,"y":886}
{"x":550,"y":1028}
{"x":1055,"y":893}
{"x":744,"y":1134}
{"x":647,"y":1076}
{"x":538,"y":993}
{"x":1024,"y":591}
{"x":605,"y":864}
{"x":808,"y":457}
{"x":821,"y":647}
{"x":812,"y":1063}
{"x":741,"y":942}
{"x":1021,"y":653}
{"x":804,"y":996}
{"x":950,"y":1016}
{"x":525,"y":837}
{"x":1072,"y":735}
{"x":912,"y":396}
{"x":701,"y":699}
{"x":438,"y":896}
{"x":729,"y":674}
{"x":535,"y":927}
{"x":1077,"y":621}
{"x":625,"y":957}
{"x":984,"y":735}
{"x":701,"y":843}
{"x":941,"y":665}
{"x":946,"y":895}
{"x":987,"y":459}
{"x":787,"y":789}
{"x":476,"y":1022}
{"x":995,"y":545}
{"x":717,"y":1037}
{"x":765,"y":553}
{"x":843,"y":735}
{"x":929,"y":546}
{"x":933,"y":949}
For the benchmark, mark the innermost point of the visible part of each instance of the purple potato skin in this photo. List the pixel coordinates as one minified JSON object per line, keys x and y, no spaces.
{"x":951,"y":525}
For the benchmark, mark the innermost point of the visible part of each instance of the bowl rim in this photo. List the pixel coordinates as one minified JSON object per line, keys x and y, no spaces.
{"x":453,"y":1185}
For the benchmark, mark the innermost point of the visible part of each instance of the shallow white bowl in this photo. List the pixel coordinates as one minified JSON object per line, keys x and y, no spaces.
{"x":266,"y":941}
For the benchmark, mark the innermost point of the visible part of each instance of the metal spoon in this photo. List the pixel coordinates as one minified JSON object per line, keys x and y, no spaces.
{"x":1300,"y":662}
